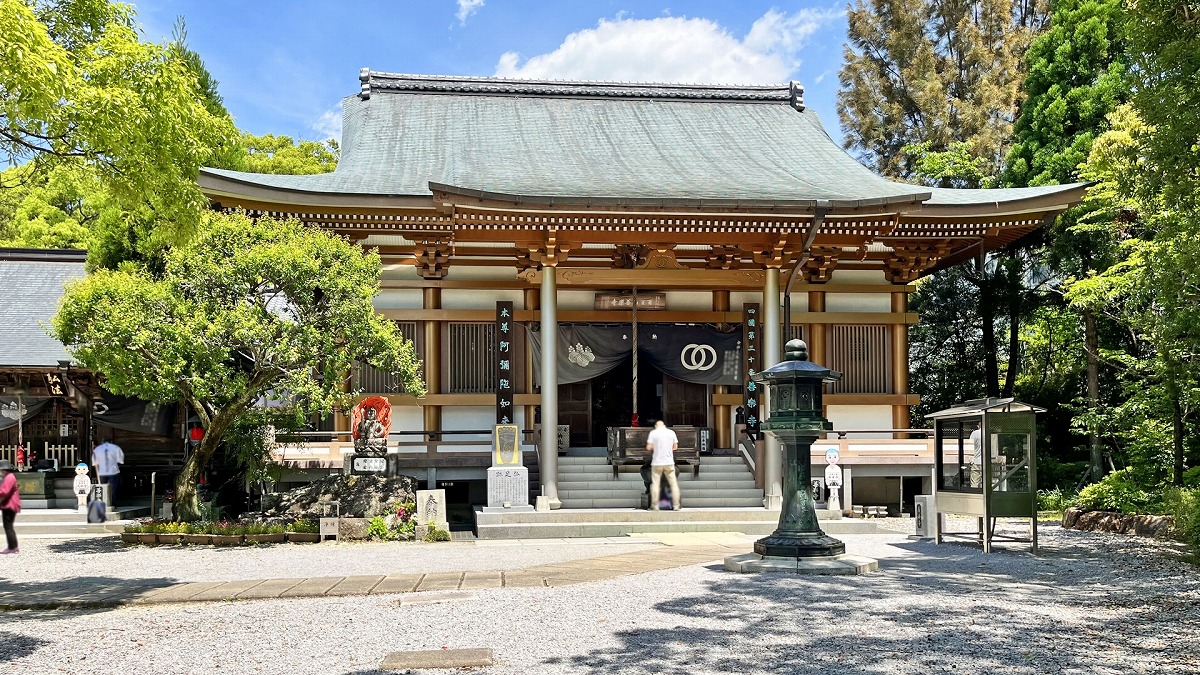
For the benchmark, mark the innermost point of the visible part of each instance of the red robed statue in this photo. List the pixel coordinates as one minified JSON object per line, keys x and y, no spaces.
{"x":370,"y":424}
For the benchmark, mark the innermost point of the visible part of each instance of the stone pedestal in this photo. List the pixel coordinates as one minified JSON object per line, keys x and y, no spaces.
{"x":508,"y":490}
{"x":836,"y":564}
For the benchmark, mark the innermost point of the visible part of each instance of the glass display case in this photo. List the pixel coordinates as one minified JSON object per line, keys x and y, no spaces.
{"x":986,"y":465}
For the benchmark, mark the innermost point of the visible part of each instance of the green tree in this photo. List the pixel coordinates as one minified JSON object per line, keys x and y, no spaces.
{"x":244,"y":312}
{"x":77,"y":83}
{"x":930,"y":74}
{"x":1078,"y":74}
{"x":282,"y":154}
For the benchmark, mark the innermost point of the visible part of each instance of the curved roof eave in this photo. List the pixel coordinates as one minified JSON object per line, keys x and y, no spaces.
{"x":984,"y":202}
{"x":217,"y":183}
{"x":678,"y":202}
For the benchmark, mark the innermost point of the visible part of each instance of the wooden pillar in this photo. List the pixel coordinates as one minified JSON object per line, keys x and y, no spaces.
{"x":900,"y":412}
{"x":431,"y":298}
{"x":721,"y":425}
{"x":816,"y":333}
{"x":531,"y":297}
{"x":772,"y":353}
{"x":549,"y":446}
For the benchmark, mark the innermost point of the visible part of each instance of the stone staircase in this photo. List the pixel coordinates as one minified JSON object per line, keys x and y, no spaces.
{"x":65,"y":523}
{"x":588,"y":483}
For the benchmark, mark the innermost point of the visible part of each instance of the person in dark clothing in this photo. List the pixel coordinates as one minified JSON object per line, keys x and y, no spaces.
{"x":10,"y":503}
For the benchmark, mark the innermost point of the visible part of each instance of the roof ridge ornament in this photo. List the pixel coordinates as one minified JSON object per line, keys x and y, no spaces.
{"x":796,"y":92}
{"x":364,"y":76}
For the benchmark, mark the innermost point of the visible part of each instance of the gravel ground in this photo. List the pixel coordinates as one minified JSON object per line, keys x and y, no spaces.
{"x":1091,"y":603}
{"x":48,"y":560}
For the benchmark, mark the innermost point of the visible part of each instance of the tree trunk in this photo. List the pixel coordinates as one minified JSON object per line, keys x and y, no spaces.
{"x":987,"y":316}
{"x":187,"y":499}
{"x":1092,"y":347}
{"x":1177,"y":429}
{"x":1014,"y":339}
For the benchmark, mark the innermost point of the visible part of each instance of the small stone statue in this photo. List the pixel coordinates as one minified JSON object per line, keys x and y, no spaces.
{"x":371,"y":436}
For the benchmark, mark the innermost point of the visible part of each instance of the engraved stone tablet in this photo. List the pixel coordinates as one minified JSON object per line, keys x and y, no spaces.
{"x":431,"y":508}
{"x":508,"y":486}
{"x":506,"y":445}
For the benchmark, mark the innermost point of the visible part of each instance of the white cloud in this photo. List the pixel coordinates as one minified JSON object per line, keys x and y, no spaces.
{"x":676,"y":49}
{"x":466,"y":8}
{"x":329,"y":124}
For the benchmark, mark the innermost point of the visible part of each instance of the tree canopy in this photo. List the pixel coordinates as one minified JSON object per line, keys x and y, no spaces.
{"x":77,"y":82}
{"x":244,"y":313}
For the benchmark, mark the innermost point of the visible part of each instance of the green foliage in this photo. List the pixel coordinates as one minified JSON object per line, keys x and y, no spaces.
{"x":958,"y":166}
{"x":377,"y":528}
{"x":302,"y":525}
{"x":245,"y":311}
{"x":1078,"y":74}
{"x":1184,"y":507}
{"x":79,"y":85}
{"x":1119,"y":491}
{"x":282,"y":154}
{"x":1056,"y":500}
{"x":436,"y":533}
{"x":933,"y":73}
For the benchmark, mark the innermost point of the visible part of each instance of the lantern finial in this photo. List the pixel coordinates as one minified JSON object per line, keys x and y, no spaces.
{"x":795,"y":350}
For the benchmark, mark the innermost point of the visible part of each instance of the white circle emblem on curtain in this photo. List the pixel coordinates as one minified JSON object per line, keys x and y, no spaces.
{"x":698,"y":357}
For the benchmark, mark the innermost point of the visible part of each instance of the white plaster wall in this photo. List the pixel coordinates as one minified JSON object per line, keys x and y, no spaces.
{"x":858,"y":302}
{"x":739,"y":298}
{"x":399,"y":271}
{"x":408,"y":418}
{"x":861,"y":417}
{"x":576,"y":299}
{"x":688,"y":301}
{"x":454,"y":298}
{"x":858,"y":277}
{"x":398,"y":298}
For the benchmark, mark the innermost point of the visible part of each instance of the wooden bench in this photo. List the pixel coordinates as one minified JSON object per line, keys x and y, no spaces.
{"x":627,"y":445}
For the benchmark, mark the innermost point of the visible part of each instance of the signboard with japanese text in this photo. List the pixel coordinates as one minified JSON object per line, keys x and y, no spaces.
{"x":752,"y":354}
{"x":504,"y":362}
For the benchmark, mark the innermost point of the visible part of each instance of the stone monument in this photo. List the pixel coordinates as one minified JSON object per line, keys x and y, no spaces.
{"x":431,"y":509}
{"x":507,"y":478}
{"x":798,"y":544}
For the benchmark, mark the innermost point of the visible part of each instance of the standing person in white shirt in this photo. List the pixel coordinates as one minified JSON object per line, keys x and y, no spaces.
{"x":108,"y":458}
{"x":663,"y":442}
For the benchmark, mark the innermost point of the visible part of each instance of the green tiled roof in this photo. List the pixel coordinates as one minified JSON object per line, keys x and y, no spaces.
{"x":588,"y":142}
{"x":29,"y":295}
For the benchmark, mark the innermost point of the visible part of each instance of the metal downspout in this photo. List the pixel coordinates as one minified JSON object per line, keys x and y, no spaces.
{"x":818,"y":220}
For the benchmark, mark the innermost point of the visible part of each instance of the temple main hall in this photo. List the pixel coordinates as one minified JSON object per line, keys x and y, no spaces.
{"x":649,"y":239}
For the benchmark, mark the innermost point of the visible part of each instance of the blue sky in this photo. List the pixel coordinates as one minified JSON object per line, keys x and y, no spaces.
{"x":284,"y":65}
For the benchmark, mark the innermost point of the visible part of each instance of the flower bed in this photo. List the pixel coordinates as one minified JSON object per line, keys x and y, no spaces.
{"x":218,"y":533}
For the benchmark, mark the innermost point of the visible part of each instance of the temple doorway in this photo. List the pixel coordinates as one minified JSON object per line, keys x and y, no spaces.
{"x":612,"y":398}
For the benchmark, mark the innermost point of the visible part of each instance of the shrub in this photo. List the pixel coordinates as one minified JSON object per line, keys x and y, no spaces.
{"x":1191,"y":477}
{"x":377,"y":529}
{"x":436,"y":533}
{"x":1184,"y":506}
{"x":1055,"y":500}
{"x":302,"y":525}
{"x":1118,"y":491}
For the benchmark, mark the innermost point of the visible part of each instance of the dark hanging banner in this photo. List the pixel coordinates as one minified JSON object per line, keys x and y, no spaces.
{"x":26,"y":409}
{"x":130,"y":414}
{"x":696,"y":353}
{"x":504,"y":369}
{"x":584,"y":351}
{"x":752,"y":340}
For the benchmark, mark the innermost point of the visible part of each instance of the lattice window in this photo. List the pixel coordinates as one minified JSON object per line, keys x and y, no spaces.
{"x":471,"y":358}
{"x":864,"y":356}
{"x":371,"y":380}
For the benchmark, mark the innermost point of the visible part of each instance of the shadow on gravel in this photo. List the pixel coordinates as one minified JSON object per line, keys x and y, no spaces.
{"x":90,"y":545}
{"x":93,"y":593}
{"x":949,"y":608}
{"x":13,"y":646}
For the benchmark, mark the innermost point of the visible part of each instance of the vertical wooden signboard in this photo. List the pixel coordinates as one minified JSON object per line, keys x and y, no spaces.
{"x":751,"y":351}
{"x":504,"y":369}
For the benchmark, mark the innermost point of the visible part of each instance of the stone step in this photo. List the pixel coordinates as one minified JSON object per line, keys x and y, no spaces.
{"x":549,"y":530}
{"x":68,"y":529}
{"x":69,"y":515}
{"x":695,"y":502}
{"x":689,"y":495}
{"x":635,"y":471}
{"x":603,"y":461}
{"x":638,"y":486}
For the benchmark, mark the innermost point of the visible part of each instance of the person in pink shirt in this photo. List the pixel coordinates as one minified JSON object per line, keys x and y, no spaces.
{"x":10,"y":503}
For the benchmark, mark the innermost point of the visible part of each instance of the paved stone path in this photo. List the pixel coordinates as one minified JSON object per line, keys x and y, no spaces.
{"x":678,"y":551}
